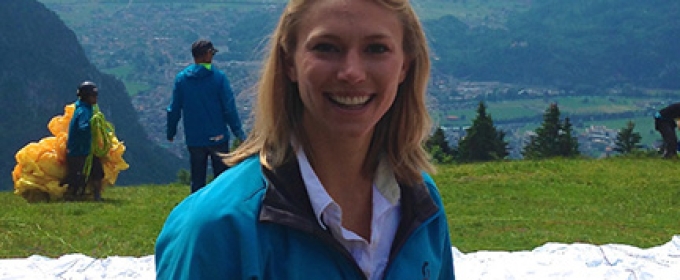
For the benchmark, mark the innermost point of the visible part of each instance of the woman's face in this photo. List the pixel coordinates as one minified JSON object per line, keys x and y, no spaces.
{"x":348,"y":63}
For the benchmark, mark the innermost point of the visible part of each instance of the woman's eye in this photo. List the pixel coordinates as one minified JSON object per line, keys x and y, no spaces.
{"x":323,"y":47}
{"x":377,"y":48}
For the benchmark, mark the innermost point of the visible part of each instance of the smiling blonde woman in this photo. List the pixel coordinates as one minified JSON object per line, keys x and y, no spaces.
{"x":330,"y":183}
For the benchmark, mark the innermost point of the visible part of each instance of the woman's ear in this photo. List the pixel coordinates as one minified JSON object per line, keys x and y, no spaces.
{"x":292,"y":74}
{"x":289,"y":65}
{"x":404,"y":69}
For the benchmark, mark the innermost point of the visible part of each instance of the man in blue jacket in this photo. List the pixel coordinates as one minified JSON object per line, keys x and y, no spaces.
{"x":79,"y":147}
{"x":203,"y":96}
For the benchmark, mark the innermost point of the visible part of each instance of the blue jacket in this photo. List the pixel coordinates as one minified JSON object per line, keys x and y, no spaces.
{"x":255,"y":223}
{"x":206,"y":102}
{"x":79,"y":139}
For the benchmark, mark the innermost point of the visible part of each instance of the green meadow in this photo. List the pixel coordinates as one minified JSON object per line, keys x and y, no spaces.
{"x":508,"y":206}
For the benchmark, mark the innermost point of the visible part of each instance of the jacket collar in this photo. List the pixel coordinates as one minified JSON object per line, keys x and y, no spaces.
{"x":286,"y":202}
{"x":82,"y":103}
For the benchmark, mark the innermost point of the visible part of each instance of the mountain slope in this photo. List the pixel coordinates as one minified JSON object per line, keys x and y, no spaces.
{"x":606,"y":43}
{"x":41,"y":64}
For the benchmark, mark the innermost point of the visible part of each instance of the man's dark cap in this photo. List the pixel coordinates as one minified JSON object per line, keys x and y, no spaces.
{"x":87,"y":88}
{"x":201,"y":47}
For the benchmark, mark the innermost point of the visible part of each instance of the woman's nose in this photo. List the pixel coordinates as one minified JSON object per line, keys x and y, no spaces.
{"x":352,"y":68}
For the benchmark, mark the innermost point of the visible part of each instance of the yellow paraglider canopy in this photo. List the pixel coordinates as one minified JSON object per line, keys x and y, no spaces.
{"x":41,"y":166}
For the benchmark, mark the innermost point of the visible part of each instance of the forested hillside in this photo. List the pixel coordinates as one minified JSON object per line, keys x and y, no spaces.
{"x":41,"y":65}
{"x":603,"y":43}
{"x":605,"y":61}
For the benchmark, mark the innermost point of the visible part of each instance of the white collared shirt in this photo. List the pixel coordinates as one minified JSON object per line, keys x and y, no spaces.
{"x":371,"y":255}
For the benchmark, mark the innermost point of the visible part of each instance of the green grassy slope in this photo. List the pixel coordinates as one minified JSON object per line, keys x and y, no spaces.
{"x":523,"y":204}
{"x":514,"y":205}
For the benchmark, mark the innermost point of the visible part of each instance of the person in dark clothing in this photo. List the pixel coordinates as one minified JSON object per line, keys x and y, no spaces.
{"x":203,"y":97}
{"x":665,"y":123}
{"x":79,"y":147}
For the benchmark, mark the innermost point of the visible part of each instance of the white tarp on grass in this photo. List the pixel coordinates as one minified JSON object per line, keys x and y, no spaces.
{"x":550,"y":261}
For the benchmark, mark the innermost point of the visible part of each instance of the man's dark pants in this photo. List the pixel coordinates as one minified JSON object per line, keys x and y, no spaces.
{"x":670,"y":140}
{"x":198,"y":158}
{"x":76,"y":179}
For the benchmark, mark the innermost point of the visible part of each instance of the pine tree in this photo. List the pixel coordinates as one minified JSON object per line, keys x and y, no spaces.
{"x":553,"y":138}
{"x":568,"y":145}
{"x":438,"y":139}
{"x":627,"y":141}
{"x":438,"y":147}
{"x":541,"y":145}
{"x":482,"y":142}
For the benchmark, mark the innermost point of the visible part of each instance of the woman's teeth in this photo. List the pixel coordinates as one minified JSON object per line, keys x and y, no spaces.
{"x":350,"y":100}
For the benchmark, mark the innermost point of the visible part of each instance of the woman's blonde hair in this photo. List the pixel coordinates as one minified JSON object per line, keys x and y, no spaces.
{"x":398,"y":136}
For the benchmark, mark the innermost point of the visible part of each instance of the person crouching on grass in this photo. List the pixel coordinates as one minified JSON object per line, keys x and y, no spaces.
{"x":79,"y":148}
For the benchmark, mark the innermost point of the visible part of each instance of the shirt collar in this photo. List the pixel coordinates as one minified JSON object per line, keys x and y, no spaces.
{"x":319,"y":198}
{"x":206,"y":65}
{"x":385,"y":184}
